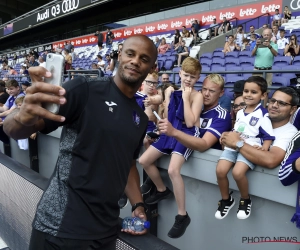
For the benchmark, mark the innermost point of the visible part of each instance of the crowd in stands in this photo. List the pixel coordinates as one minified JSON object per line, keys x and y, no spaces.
{"x":189,"y":126}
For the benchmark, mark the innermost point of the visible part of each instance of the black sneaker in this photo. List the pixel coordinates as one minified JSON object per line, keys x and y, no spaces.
{"x":224,"y":207}
{"x":180,"y":225}
{"x":147,"y":186}
{"x":123,"y":201}
{"x":244,"y":210}
{"x":158,"y":196}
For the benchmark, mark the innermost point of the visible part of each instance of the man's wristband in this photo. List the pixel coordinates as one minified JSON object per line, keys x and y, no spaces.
{"x":139,"y":204}
{"x":270,"y":47}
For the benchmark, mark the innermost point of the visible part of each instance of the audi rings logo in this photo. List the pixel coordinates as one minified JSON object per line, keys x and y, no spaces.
{"x":69,"y":5}
{"x":295,"y":4}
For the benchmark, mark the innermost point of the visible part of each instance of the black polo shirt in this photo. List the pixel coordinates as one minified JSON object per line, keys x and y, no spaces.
{"x":102,"y":135}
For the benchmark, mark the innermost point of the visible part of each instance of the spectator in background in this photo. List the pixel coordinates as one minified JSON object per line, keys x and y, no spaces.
{"x":277,"y":18}
{"x":275,"y":34}
{"x":25,"y":85}
{"x":252,"y":31}
{"x":100,"y":39}
{"x":44,"y":55}
{"x":42,"y":62}
{"x":245,"y":44}
{"x":225,"y":102}
{"x":69,"y":46}
{"x":239,"y":35}
{"x":230,"y":45}
{"x":3,"y":94}
{"x":68,"y":60}
{"x":196,"y":26}
{"x":163,"y":47}
{"x":157,"y":42}
{"x":195,"y":35}
{"x":107,"y":63}
{"x":292,"y":49}
{"x":165,"y":78}
{"x":182,"y":51}
{"x":115,"y":58}
{"x":73,"y":54}
{"x":100,"y":63}
{"x":11,"y":71}
{"x":24,"y":71}
{"x":238,"y":88}
{"x":185,"y":32}
{"x":252,"y":41}
{"x":109,"y":38}
{"x":264,"y":55}
{"x":282,"y":41}
{"x":15,"y":58}
{"x":238,"y":104}
{"x":177,"y":38}
{"x":225,"y":26}
{"x":287,"y":15}
{"x":33,"y":62}
{"x":265,"y":26}
{"x":213,"y":31}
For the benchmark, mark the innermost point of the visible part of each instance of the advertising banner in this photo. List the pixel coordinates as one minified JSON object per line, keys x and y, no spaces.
{"x":206,"y":18}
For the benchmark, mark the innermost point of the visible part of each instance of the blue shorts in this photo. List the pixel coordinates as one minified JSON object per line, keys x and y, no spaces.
{"x":168,"y":145}
{"x":151,"y":126}
{"x":234,"y":156}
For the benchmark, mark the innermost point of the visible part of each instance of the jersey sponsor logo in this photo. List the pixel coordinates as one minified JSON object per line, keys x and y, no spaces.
{"x":111,"y":104}
{"x":204,"y":123}
{"x":136,"y":118}
{"x":253,"y":121}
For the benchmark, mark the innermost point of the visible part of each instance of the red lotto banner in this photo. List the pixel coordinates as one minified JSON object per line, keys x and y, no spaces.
{"x":240,"y":12}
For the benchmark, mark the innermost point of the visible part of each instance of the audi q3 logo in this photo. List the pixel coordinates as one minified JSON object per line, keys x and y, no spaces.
{"x":295,"y":4}
{"x":69,"y":5}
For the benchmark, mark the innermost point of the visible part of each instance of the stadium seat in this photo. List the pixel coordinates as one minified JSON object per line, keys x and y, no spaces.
{"x":168,"y":65}
{"x":280,"y":81}
{"x":296,"y":61}
{"x":234,"y":54}
{"x":205,"y":68}
{"x":218,"y":55}
{"x":205,"y":61}
{"x":233,"y":79}
{"x":276,"y":68}
{"x":176,"y":69}
{"x":246,"y":61}
{"x":231,"y":67}
{"x":215,"y":68}
{"x":232,"y":61}
{"x":206,"y":55}
{"x":280,"y":52}
{"x":282,"y":61}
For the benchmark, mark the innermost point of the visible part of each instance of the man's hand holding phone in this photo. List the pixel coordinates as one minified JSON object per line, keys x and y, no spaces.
{"x":40,"y":92}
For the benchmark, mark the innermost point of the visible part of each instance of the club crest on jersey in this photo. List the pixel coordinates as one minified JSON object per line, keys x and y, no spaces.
{"x":204,"y":123}
{"x":136,"y":118}
{"x":253,"y":121}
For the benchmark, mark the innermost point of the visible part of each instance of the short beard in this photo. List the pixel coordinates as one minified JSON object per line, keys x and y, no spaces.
{"x":133,"y":83}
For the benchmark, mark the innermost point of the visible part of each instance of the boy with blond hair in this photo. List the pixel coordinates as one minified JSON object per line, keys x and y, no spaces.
{"x":184,"y":108}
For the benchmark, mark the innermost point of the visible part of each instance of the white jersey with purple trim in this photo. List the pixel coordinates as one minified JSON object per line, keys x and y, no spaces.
{"x":254,"y":127}
{"x":295,"y":119}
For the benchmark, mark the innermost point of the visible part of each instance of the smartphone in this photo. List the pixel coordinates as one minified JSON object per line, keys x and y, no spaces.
{"x":55,"y":64}
{"x":152,"y":135}
{"x":262,"y":40}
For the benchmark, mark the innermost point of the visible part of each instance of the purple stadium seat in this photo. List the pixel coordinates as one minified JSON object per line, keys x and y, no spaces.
{"x":233,"y":79}
{"x":233,"y":54}
{"x":232,"y":61}
{"x":218,"y":55}
{"x":168,"y":65}
{"x":296,"y":61}
{"x":247,"y":68}
{"x":280,"y":81}
{"x":205,"y":61}
{"x":206,"y":55}
{"x":246,"y":61}
{"x":173,"y":58}
{"x":205,"y":68}
{"x":218,"y":49}
{"x":280,"y":52}
{"x":176,"y":69}
{"x":160,"y":64}
{"x":230,"y":67}
{"x":245,"y":53}
{"x":276,"y":68}
{"x":218,"y":61}
{"x":217,"y":68}
{"x":282,"y":61}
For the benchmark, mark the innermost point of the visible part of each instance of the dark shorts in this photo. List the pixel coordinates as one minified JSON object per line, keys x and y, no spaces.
{"x":100,"y":44}
{"x":177,"y":148}
{"x":44,"y":241}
